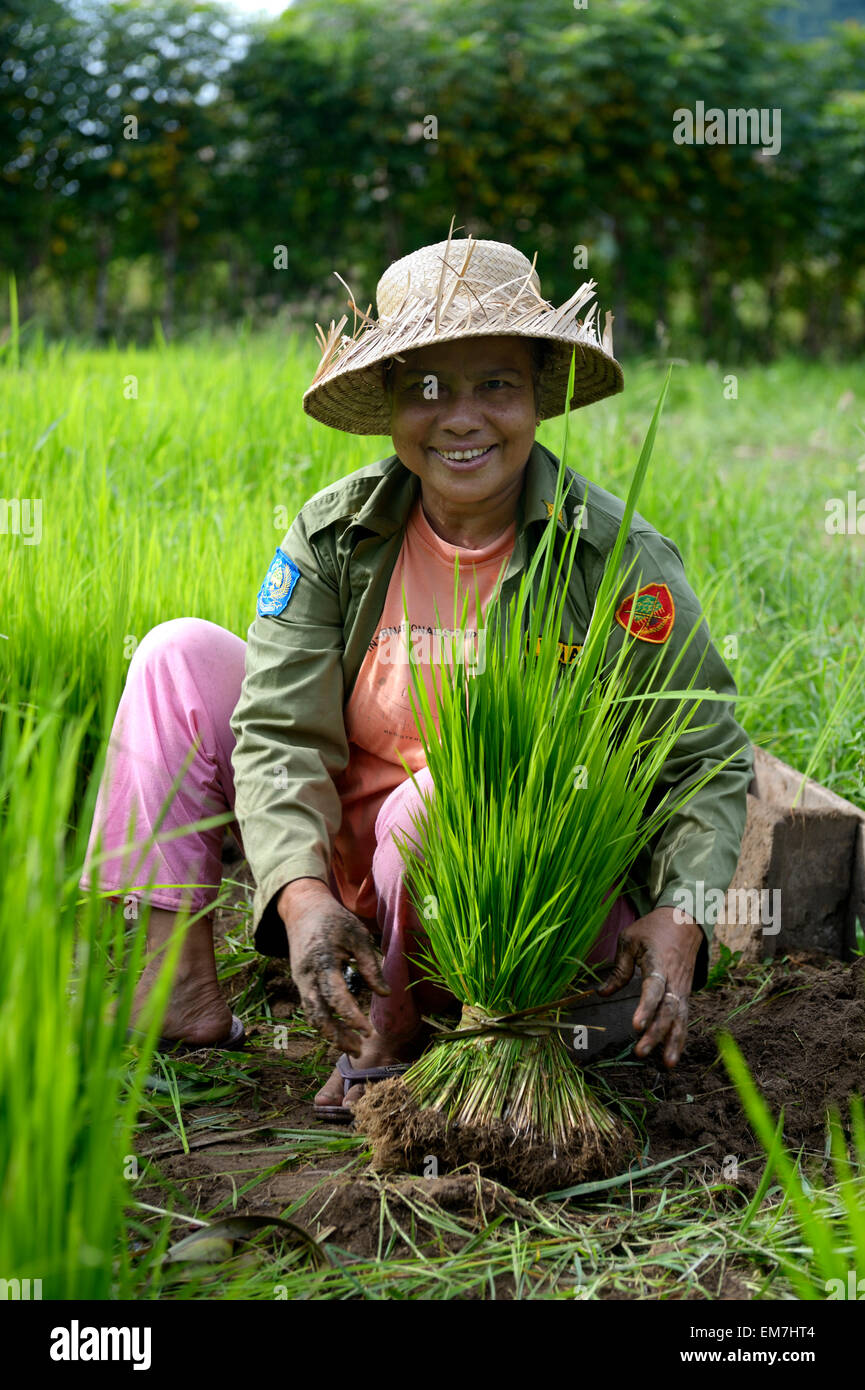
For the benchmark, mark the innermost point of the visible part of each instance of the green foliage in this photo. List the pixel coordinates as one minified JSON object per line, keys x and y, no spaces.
{"x":832,"y":1225}
{"x":308,"y":132}
{"x":165,"y":505}
{"x":171,"y":502}
{"x":726,"y":962}
{"x":68,"y":1099}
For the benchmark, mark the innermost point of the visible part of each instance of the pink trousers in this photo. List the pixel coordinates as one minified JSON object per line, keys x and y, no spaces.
{"x":183,"y":684}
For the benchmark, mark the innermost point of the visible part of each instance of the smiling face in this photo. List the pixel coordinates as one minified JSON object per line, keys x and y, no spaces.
{"x":463,"y":419}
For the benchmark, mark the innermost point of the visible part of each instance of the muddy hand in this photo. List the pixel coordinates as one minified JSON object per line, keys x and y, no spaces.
{"x":666,"y":951}
{"x":324,"y":937}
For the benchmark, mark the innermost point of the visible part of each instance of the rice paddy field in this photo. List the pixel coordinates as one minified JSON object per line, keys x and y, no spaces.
{"x":164,"y":479}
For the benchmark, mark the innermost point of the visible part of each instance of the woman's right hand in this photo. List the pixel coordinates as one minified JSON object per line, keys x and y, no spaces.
{"x":323,"y":938}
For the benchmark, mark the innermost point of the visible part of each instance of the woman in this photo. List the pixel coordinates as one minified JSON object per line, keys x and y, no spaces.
{"x":302,"y":730}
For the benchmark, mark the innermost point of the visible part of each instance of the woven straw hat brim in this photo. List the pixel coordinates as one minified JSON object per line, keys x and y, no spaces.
{"x":353,"y":398}
{"x":455,"y":289}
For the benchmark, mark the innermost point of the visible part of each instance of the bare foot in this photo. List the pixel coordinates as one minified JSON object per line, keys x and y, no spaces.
{"x":377,"y":1052}
{"x":196,"y":1013}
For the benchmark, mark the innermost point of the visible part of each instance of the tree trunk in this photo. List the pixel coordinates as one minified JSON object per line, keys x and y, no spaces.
{"x":229,"y":309}
{"x":706,"y":297}
{"x":169,"y":265}
{"x":392,"y":231}
{"x":813,"y":339}
{"x":103,"y":262}
{"x":620,"y":283}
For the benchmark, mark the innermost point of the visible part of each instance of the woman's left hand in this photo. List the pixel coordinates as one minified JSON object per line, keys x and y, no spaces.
{"x":666,"y":950}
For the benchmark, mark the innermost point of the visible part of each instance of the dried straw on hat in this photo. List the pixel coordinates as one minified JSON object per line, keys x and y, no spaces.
{"x":460,"y":288}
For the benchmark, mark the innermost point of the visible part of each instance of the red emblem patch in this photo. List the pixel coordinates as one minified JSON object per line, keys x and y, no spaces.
{"x":649,"y":613}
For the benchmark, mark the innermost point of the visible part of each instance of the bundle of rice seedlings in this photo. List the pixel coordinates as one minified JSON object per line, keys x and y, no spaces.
{"x":542,"y":781}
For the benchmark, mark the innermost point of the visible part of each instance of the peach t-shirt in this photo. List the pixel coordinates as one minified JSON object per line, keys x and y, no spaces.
{"x":378,"y":717}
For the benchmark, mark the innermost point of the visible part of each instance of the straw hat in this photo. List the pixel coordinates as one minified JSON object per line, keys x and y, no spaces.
{"x":459,"y":288}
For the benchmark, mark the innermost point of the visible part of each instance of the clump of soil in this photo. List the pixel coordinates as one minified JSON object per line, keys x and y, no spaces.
{"x":349,"y":1215}
{"x":803,"y":1038}
{"x":403,"y":1136}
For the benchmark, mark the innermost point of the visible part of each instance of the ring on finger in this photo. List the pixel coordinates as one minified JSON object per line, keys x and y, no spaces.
{"x":658,"y":976}
{"x":670,"y":995}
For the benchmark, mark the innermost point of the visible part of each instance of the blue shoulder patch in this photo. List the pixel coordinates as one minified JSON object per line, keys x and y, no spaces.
{"x":278,"y":585}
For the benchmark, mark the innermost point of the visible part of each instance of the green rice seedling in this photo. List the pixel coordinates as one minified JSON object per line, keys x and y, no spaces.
{"x":69,"y":1093}
{"x":187,"y":489}
{"x":523,"y":859}
{"x":830,"y":1221}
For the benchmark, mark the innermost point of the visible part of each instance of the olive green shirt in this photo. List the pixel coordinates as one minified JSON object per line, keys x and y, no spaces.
{"x":302,"y":663}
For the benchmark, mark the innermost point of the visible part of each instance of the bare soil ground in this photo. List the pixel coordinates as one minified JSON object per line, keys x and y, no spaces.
{"x":802,"y":1033}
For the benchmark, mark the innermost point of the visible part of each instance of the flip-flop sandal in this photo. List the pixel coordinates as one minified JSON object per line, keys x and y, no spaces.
{"x":233,"y":1042}
{"x":350,"y":1076}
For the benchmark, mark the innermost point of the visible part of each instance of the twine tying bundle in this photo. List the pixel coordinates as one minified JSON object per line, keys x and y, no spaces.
{"x":536,"y":1022}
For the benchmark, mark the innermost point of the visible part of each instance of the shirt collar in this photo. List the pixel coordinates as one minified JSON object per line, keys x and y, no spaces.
{"x":539,"y":491}
{"x":388,"y":505}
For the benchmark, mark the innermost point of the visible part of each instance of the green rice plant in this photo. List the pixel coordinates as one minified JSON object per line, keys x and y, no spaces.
{"x":13,"y":340}
{"x":187,"y":489}
{"x":69,"y":1094}
{"x":522,"y":858}
{"x":830,"y":1221}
